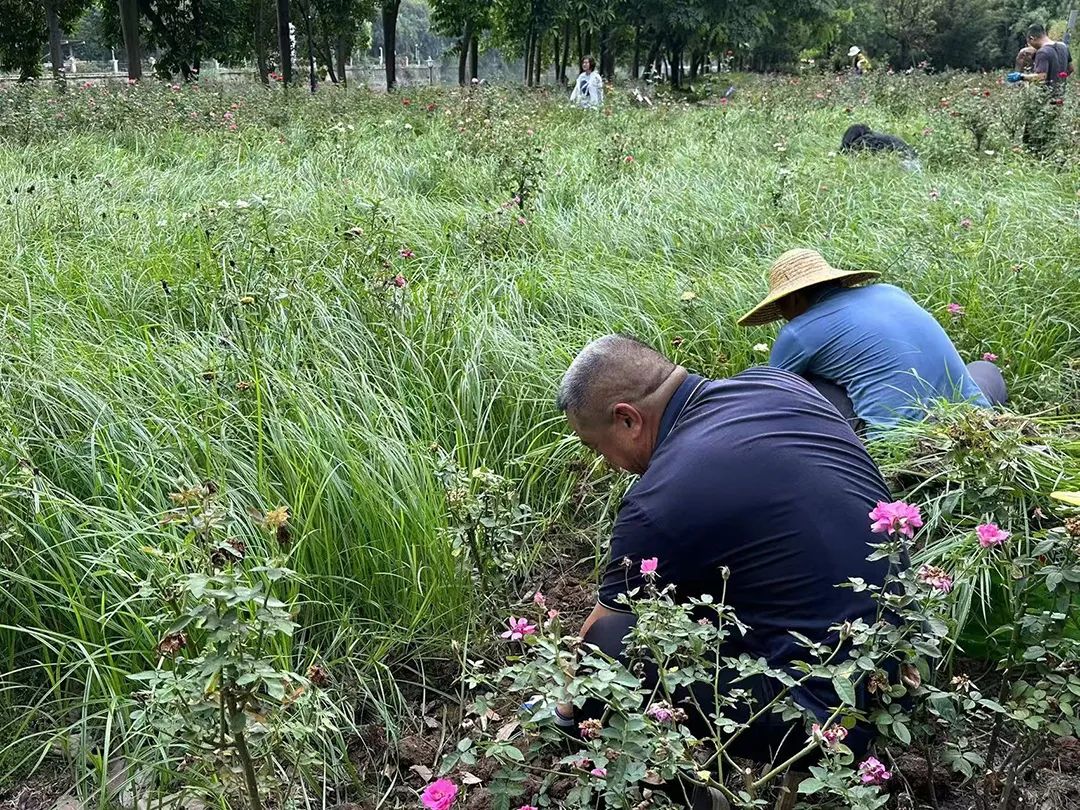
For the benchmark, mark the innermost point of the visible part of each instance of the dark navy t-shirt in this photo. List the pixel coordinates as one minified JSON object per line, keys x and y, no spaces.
{"x":760,"y":474}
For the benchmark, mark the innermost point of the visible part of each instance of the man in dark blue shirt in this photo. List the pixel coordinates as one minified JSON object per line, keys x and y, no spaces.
{"x":756,"y":474}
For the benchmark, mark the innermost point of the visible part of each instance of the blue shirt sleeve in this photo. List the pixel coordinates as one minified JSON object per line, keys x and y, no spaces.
{"x":788,"y":352}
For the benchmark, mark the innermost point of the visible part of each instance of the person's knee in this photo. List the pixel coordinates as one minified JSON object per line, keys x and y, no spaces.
{"x":607,"y":633}
{"x":990,"y":381}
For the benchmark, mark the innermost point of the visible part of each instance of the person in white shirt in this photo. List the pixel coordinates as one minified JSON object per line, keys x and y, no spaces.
{"x":589,"y":88}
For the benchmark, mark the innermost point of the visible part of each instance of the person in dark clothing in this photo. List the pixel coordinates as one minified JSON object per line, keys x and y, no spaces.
{"x":859,"y":137}
{"x":1051,"y":68}
{"x":753,"y":485}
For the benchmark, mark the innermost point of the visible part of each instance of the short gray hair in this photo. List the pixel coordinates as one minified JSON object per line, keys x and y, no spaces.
{"x":611,"y":369}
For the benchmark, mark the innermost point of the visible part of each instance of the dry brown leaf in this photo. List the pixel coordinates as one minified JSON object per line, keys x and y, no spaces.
{"x":423,"y":771}
{"x":470,"y":779}
{"x":506,"y":731}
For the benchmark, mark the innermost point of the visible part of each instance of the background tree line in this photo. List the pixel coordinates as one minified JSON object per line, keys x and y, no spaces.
{"x":549,"y":37}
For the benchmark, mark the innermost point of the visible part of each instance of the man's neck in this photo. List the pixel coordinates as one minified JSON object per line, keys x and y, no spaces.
{"x":661,"y":398}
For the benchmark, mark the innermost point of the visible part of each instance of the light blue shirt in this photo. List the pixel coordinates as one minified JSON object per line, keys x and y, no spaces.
{"x":889,"y":354}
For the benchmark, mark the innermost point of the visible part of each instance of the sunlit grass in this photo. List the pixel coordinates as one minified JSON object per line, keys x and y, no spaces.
{"x":134,"y":357}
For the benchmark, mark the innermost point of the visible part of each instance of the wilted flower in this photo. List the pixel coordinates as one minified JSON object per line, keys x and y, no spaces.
{"x":955,"y":309}
{"x":407,"y":254}
{"x":648,"y":567}
{"x":934,"y":194}
{"x":910,"y":675}
{"x":761,"y":348}
{"x":518,"y":629}
{"x":172,"y":644}
{"x":832,"y":736}
{"x":961,"y":683}
{"x":873,"y":772}
{"x":400,"y":281}
{"x":247,"y":300}
{"x":243,"y":385}
{"x":990,"y":534}
{"x":877,"y":682}
{"x":439,"y":795}
{"x":660,"y":712}
{"x":590,"y":729}
{"x":276,"y":518}
{"x":965,"y":223}
{"x":936,"y":578}
{"x":539,"y":599}
{"x":896,"y":517}
{"x":990,"y":357}
{"x":318,"y":676}
{"x":629,"y":158}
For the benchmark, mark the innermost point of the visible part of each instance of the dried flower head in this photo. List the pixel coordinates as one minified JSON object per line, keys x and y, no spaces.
{"x":172,"y":644}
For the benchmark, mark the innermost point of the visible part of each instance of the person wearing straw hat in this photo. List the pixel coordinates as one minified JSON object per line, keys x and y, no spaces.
{"x":873,"y":352}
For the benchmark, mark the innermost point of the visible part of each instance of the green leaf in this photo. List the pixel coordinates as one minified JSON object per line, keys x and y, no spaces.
{"x":844,"y":690}
{"x":901,"y":732}
{"x":811,"y":785}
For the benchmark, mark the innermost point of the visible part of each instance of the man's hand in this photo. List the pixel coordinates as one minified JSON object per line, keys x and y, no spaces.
{"x":564,"y":711}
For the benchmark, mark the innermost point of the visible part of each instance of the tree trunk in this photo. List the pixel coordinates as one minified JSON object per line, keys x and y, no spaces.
{"x":284,"y":41}
{"x":654,"y":56}
{"x":389,"y":27}
{"x":565,"y":56}
{"x":538,"y":62}
{"x":676,"y":67}
{"x":261,"y":33}
{"x":474,"y":57}
{"x":309,"y":39}
{"x":56,"y":54}
{"x":528,"y":58}
{"x":341,"y":50}
{"x":607,"y":53}
{"x":580,"y":43}
{"x":636,"y":68}
{"x":197,"y":29}
{"x":129,"y":22}
{"x":463,"y":56}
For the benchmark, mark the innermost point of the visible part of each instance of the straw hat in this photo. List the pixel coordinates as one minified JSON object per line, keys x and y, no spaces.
{"x":796,"y":270}
{"x":853,"y":50}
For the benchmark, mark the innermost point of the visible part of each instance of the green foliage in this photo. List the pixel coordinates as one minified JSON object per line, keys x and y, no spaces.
{"x":222,"y":708}
{"x":204,"y":282}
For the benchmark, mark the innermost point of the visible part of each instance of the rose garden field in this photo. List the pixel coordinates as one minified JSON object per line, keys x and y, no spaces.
{"x":280,"y":455}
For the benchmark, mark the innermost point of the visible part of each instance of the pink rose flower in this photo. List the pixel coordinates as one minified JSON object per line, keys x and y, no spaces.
{"x":539,"y":599}
{"x":895,"y":518}
{"x":439,"y":795}
{"x":872,"y":772}
{"x":990,"y":357}
{"x":955,"y":309}
{"x":990,"y":534}
{"x":936,"y":578}
{"x":599,"y":773}
{"x":519,"y":628}
{"x":400,"y":280}
{"x":648,"y":567}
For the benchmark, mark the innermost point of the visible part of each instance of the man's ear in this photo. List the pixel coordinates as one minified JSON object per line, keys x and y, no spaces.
{"x":626,"y":415}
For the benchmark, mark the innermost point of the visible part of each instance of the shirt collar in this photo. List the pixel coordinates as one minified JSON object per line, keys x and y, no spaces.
{"x":675,"y":406}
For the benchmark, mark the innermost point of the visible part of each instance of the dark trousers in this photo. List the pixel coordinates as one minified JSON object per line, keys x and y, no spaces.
{"x":985,"y":374}
{"x":769,"y":739}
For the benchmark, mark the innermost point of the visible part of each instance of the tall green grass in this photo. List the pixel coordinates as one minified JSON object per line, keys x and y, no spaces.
{"x":123,"y":305}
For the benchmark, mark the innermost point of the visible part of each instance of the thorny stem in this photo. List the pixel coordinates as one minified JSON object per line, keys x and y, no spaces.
{"x":240,"y":741}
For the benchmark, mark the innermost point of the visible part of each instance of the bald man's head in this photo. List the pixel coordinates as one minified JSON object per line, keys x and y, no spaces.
{"x":614,"y":394}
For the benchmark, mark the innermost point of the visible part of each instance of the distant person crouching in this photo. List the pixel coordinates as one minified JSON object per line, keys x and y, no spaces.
{"x":588,"y":90}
